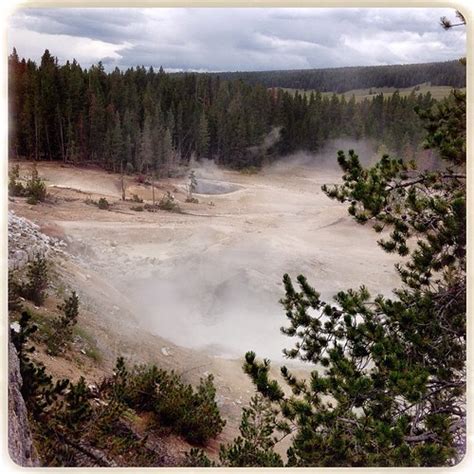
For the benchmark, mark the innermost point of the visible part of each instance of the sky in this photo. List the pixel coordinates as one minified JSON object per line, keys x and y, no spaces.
{"x":236,"y":39}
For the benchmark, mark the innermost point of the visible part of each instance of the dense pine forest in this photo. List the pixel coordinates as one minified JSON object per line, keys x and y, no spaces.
{"x":343,"y":79}
{"x":141,"y":120}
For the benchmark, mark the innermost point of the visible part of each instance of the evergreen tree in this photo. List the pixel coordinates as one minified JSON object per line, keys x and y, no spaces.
{"x":38,"y":278}
{"x":192,"y":186}
{"x":202,"y":138}
{"x":117,"y":145}
{"x":64,"y":324}
{"x":167,"y":153}
{"x":64,"y":112}
{"x":38,"y":389}
{"x":254,"y":446}
{"x":145,"y":154}
{"x":388,"y":388}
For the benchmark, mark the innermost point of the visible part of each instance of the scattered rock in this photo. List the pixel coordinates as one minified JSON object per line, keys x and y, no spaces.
{"x":15,"y":326}
{"x":220,"y":400}
{"x":25,"y":241}
{"x":166,"y":351}
{"x":93,"y":389}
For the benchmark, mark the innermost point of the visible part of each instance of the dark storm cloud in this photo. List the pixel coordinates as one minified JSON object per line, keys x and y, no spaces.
{"x":105,"y":25}
{"x":238,"y":39}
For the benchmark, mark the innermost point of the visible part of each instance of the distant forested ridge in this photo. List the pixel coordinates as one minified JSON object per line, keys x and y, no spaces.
{"x":449,"y":73}
{"x":141,"y":120}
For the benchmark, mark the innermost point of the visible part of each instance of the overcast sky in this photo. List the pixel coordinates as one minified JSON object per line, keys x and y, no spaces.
{"x":230,"y":39}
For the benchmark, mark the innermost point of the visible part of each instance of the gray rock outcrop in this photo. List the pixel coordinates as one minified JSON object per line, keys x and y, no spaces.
{"x":25,"y":241}
{"x":20,"y":442}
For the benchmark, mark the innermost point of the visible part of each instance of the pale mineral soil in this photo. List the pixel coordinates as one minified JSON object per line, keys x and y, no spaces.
{"x":194,"y":291}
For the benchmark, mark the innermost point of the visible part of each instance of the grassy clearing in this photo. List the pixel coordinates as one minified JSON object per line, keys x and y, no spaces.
{"x":438,"y":92}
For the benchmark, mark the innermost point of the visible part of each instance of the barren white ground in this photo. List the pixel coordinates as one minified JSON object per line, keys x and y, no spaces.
{"x":194,"y":291}
{"x":211,"y":278}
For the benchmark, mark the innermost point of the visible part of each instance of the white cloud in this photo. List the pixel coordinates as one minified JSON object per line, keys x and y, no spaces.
{"x":222,"y":39}
{"x":406,"y":46}
{"x":85,"y":50}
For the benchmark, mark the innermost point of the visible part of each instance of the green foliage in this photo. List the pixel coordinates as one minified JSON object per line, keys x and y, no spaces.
{"x":202,"y":136}
{"x":193,"y":413}
{"x":14,"y":292}
{"x":249,"y":170}
{"x":192,"y":186}
{"x":388,"y":385}
{"x":254,"y":446}
{"x":76,"y":406}
{"x":117,"y":386}
{"x":69,"y":429}
{"x":15,"y":187}
{"x":446,"y":124}
{"x":192,"y":200}
{"x":142,"y":386}
{"x":344,"y":79}
{"x":168,"y":203}
{"x":197,"y":458}
{"x":448,"y":24}
{"x":70,"y":307}
{"x":35,"y":189}
{"x":150,"y":207}
{"x":137,"y":208}
{"x":167,"y":119}
{"x":103,"y":204}
{"x":38,"y":278}
{"x":64,"y":324}
{"x":38,"y":389}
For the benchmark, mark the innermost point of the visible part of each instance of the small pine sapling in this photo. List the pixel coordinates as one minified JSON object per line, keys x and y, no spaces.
{"x":38,"y":278}
{"x":64,"y":324}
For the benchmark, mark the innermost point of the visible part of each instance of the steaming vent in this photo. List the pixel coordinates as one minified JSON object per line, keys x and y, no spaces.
{"x":206,"y":186}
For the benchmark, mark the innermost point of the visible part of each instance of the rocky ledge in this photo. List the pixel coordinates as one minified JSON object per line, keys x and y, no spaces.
{"x":25,"y":241}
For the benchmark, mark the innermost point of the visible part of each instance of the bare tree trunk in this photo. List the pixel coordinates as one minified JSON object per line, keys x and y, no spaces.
{"x":47,"y":141}
{"x":123,"y":185}
{"x":63,"y":154}
{"x":153,"y":189}
{"x":36,"y":136}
